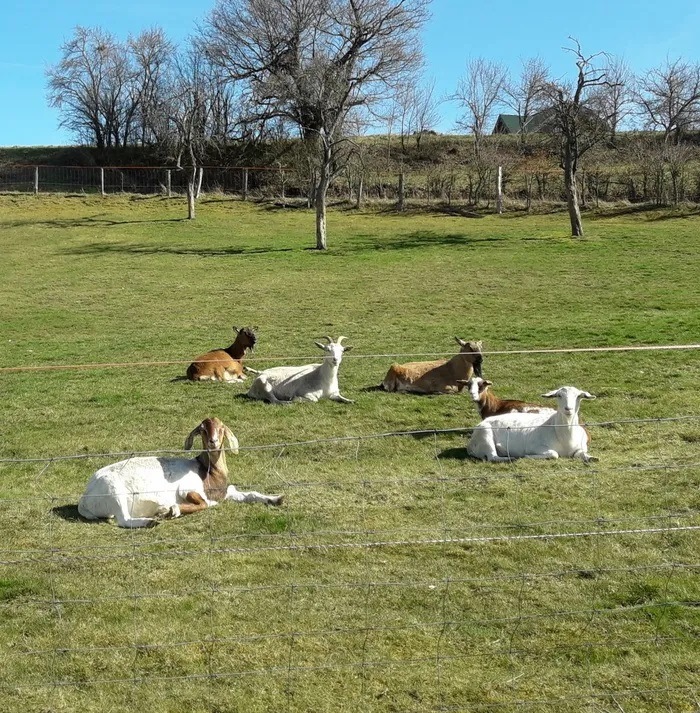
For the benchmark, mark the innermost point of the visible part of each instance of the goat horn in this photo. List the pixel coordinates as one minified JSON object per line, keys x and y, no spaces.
{"x":340,"y":339}
{"x":330,"y":339}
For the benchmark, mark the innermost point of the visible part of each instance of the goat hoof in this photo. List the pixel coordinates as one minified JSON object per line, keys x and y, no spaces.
{"x":174,"y":512}
{"x":275,"y":500}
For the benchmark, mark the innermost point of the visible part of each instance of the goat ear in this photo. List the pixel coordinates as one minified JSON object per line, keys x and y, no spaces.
{"x":232,"y":440}
{"x":320,"y":346}
{"x":586,"y":395}
{"x":190,"y":439}
{"x":488,"y":383}
{"x":347,"y":349}
{"x":551,"y":394}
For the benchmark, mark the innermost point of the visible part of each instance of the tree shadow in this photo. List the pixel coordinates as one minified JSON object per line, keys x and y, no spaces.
{"x":150,"y":249}
{"x":417,"y":240}
{"x":96,"y":221}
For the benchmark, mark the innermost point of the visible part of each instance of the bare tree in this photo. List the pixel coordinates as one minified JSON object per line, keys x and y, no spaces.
{"x":668,"y":97}
{"x":314,"y":62}
{"x":189,"y":111}
{"x":478,"y":92}
{"x":613,"y":100}
{"x":578,"y":126}
{"x":81,"y":85}
{"x":524,"y":94}
{"x":151,"y":53}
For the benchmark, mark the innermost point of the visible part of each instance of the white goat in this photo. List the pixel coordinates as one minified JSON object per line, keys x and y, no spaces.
{"x":534,"y":435}
{"x":311,"y":382}
{"x":137,"y":490}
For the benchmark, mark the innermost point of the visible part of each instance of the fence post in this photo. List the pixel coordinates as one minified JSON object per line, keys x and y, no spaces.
{"x":499,"y":190}
{"x":245,"y":184}
{"x":168,"y":183}
{"x":400,"y":204}
{"x":36,"y":180}
{"x":102,"y":180}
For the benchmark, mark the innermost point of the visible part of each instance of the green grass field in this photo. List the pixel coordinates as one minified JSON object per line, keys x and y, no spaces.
{"x":242,"y":608}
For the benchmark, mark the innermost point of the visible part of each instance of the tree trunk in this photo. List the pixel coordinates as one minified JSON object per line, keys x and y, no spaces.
{"x":324,"y":180}
{"x":571,"y":190}
{"x":401,"y":201}
{"x":191,"y":193}
{"x":360,"y":189}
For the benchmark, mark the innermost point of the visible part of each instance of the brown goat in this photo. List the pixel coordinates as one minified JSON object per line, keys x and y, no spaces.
{"x":443,"y":376}
{"x":490,"y":405}
{"x":224,"y":364}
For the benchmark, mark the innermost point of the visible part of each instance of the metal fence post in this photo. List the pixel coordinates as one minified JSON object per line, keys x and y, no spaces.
{"x":245,"y":184}
{"x":102,"y":181}
{"x":36,"y":180}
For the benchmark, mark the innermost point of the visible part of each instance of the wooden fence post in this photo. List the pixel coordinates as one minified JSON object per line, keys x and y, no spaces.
{"x":36,"y":180}
{"x":102,"y":181}
{"x":169,"y":183}
{"x":245,"y":184}
{"x":499,"y":191}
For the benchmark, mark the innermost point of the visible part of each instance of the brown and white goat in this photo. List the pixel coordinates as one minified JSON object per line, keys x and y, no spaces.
{"x":138,"y":490}
{"x":224,"y":364}
{"x":443,"y":376}
{"x":490,"y":405}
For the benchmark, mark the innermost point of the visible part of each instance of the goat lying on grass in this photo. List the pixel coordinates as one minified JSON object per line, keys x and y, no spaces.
{"x":534,"y":435}
{"x":436,"y":377}
{"x":224,"y":364}
{"x":311,"y":382}
{"x":137,"y":490}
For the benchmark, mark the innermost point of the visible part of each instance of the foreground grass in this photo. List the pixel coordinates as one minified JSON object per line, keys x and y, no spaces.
{"x":250,"y":609}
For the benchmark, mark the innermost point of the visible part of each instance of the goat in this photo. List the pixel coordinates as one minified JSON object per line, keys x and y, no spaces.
{"x":224,"y":364}
{"x":534,"y":435}
{"x":490,"y":405}
{"x":311,"y":382}
{"x":137,"y":490}
{"x":436,"y":377}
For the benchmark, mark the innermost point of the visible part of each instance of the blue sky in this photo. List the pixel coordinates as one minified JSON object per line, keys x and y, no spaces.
{"x":642,"y":32}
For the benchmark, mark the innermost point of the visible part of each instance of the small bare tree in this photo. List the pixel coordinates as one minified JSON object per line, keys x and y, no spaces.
{"x":524,"y":94}
{"x":314,"y":63}
{"x":479,"y":91}
{"x":579,"y":127}
{"x":668,"y":97}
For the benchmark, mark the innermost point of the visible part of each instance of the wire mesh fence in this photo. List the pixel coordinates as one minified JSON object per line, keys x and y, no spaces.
{"x":561,"y":587}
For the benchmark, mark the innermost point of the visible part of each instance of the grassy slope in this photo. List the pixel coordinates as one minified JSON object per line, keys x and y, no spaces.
{"x":200,"y":626}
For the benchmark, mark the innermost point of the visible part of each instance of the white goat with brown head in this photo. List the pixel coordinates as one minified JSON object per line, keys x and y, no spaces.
{"x":139,"y":490}
{"x":443,"y":376}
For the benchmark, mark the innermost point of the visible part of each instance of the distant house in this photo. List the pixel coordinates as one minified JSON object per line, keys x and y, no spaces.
{"x":543,"y":122}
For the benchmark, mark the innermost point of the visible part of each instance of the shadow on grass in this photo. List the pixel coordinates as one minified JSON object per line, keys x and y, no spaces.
{"x":69,"y":513}
{"x":149,"y":249}
{"x":417,"y":240}
{"x":94,"y":221}
{"x":651,"y":211}
{"x":454,"y":454}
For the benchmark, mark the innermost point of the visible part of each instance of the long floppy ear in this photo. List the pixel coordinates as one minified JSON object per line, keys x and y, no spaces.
{"x":232,"y":440}
{"x":190,"y":439}
{"x":586,"y":395}
{"x":551,"y":394}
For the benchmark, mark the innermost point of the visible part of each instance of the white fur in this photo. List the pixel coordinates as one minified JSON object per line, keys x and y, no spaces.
{"x":310,"y":382}
{"x":534,"y":435}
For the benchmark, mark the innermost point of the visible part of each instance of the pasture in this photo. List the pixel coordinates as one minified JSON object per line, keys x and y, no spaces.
{"x":399,"y":575}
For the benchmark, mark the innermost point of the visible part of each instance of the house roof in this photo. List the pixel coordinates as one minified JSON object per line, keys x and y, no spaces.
{"x":510,"y":123}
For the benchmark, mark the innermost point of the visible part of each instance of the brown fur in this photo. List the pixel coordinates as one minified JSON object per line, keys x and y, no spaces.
{"x":436,"y":377}
{"x":490,"y":405}
{"x":212,"y":460}
{"x":223,"y":364}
